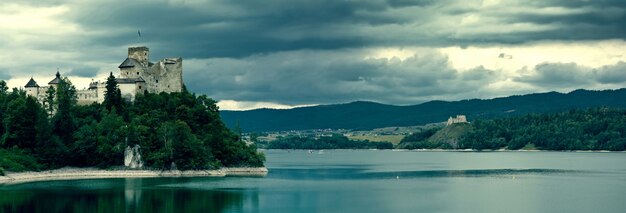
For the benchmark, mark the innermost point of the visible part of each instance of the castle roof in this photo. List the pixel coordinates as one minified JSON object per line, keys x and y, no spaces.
{"x":56,"y":80}
{"x":128,"y":63}
{"x":31,"y":83}
{"x":129,"y":80}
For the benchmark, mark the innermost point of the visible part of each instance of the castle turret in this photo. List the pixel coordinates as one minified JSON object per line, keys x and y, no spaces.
{"x":56,"y":80}
{"x":32,"y":88}
{"x":138,"y":59}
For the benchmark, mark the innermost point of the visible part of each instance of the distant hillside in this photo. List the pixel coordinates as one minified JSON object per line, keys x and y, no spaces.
{"x":370,"y":115}
{"x":448,"y":137}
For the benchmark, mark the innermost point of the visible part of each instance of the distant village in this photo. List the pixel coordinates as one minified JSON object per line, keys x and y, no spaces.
{"x":387,"y":134}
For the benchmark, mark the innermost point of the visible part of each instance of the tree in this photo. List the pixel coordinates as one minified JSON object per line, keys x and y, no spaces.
{"x":3,"y":86}
{"x":63,"y":120}
{"x":50,"y":102}
{"x":112,"y":95}
{"x":23,"y":114}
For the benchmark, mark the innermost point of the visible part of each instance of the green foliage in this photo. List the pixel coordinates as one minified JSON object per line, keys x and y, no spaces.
{"x":17,"y":160}
{"x":182,"y":147}
{"x":335,"y":141}
{"x":179,"y":129}
{"x":420,"y":136}
{"x":112,"y":95}
{"x":3,"y":86}
{"x":592,"y":129}
{"x":2,"y":171}
{"x":436,"y":138}
{"x":63,"y":119}
{"x":50,"y":101}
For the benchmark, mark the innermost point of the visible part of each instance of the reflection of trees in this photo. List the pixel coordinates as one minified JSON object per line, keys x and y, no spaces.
{"x":133,"y":195}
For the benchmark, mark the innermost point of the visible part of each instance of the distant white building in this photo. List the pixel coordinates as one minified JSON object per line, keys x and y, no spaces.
{"x":458,"y":119}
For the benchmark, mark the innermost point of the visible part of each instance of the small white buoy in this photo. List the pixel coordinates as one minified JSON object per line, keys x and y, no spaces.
{"x":397,"y":177}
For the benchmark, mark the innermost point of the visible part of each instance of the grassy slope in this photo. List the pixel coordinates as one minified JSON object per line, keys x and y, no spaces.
{"x":448,"y":137}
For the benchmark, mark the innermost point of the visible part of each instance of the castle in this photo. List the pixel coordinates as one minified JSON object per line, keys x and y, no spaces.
{"x":458,"y":119}
{"x":137,"y":75}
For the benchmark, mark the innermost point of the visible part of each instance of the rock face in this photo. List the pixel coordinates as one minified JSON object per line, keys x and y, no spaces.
{"x":132,"y":157}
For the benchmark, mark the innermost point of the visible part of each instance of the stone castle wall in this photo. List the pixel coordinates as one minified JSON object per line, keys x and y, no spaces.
{"x":137,"y":75}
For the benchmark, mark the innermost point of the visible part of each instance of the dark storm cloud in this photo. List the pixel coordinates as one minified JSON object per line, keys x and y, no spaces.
{"x":314,"y":51}
{"x":198,"y":29}
{"x":306,"y":77}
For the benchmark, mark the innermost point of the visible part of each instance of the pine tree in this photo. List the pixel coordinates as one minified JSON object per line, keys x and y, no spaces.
{"x":112,"y":95}
{"x":49,"y":103}
{"x":63,"y":120}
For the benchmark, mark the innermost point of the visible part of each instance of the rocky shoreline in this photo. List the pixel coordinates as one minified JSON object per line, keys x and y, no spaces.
{"x":95,"y":173}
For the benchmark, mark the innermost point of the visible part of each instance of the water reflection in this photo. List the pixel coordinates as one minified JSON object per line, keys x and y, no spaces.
{"x":364,"y":174}
{"x":125,"y":195}
{"x":357,"y":181}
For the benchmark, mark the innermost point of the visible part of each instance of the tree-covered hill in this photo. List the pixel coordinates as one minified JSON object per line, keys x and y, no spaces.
{"x":180,"y":129}
{"x":590,"y":129}
{"x":369,"y":115}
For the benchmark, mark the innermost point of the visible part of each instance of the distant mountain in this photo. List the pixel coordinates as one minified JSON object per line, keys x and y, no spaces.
{"x":370,"y":115}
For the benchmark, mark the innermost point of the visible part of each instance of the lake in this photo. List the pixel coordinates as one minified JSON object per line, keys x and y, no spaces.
{"x":357,"y":181}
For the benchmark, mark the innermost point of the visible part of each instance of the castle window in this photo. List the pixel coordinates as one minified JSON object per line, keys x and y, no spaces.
{"x":157,"y":81}
{"x":137,"y":73}
{"x":139,"y":87}
{"x":126,"y":73}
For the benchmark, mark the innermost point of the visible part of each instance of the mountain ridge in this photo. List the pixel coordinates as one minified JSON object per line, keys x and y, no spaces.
{"x":370,"y":115}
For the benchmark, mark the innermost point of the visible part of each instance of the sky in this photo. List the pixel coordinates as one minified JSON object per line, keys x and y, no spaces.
{"x":285,"y":53}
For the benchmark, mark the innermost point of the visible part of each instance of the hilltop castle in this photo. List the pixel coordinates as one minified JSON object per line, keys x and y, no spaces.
{"x":137,"y":75}
{"x":458,"y":119}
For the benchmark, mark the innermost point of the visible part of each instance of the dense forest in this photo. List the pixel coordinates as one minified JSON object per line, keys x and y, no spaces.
{"x":335,"y":141}
{"x":351,"y":115}
{"x":172,"y":129}
{"x":589,"y":129}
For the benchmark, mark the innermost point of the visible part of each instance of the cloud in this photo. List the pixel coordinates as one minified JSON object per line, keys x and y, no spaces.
{"x":4,"y":75}
{"x":558,"y":75}
{"x":572,"y":75}
{"x":319,"y":51}
{"x":311,"y":77}
{"x":83,"y":71}
{"x":220,"y":28}
{"x":611,"y":73}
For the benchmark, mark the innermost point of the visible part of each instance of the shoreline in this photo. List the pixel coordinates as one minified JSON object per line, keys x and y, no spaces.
{"x":461,"y":150}
{"x":94,"y":173}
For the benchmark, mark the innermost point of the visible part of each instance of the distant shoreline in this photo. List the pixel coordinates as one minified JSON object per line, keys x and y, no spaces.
{"x":505,"y":150}
{"x":463,"y":150}
{"x":94,"y":173}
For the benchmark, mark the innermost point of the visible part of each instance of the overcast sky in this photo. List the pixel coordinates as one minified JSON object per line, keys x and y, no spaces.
{"x":282,"y":53}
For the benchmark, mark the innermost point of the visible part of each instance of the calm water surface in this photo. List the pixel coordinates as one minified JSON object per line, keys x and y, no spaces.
{"x":357,"y":181}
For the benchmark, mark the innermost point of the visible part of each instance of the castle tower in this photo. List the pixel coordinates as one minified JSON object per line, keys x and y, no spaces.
{"x":55,"y":82}
{"x":138,"y":59}
{"x":32,"y":88}
{"x":141,"y":54}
